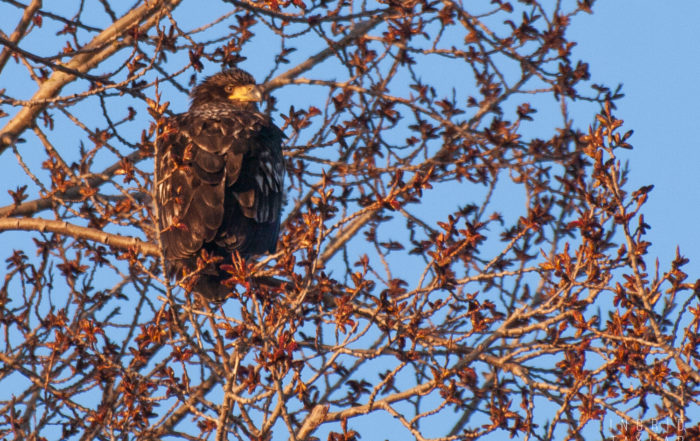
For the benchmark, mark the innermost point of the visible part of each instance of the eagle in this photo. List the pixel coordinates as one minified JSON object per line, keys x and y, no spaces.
{"x":219,"y":182}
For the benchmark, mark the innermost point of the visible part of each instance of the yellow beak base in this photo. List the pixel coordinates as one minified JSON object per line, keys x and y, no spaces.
{"x":249,"y":92}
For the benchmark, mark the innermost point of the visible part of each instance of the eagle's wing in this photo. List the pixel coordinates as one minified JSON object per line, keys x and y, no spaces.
{"x":220,"y":183}
{"x":254,"y":202}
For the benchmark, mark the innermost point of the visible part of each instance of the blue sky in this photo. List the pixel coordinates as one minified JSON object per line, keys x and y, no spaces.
{"x":653,"y":50}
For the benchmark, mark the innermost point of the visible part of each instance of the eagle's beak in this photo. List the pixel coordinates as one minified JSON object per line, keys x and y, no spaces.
{"x":249,"y":92}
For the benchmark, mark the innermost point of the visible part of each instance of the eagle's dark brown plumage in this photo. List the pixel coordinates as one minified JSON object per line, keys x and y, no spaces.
{"x":220,"y":175}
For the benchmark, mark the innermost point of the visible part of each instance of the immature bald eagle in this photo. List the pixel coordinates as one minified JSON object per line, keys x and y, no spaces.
{"x":220,"y":175}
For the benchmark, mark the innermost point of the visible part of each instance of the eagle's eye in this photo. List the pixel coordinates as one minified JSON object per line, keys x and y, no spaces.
{"x":229,"y":88}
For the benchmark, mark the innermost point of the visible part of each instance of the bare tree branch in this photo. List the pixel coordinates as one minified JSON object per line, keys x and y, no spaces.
{"x":73,"y":193}
{"x":19,"y":31}
{"x":100,"y":48}
{"x":355,"y":32}
{"x":64,"y":228}
{"x":438,"y":260}
{"x":312,"y":421}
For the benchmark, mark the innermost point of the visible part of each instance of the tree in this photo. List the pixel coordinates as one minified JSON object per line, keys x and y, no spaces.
{"x":455,"y":262}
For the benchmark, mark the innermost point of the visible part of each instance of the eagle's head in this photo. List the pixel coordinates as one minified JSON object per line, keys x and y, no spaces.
{"x":232,"y":86}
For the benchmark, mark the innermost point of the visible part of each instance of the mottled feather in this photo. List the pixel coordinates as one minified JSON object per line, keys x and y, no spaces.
{"x":220,"y":185}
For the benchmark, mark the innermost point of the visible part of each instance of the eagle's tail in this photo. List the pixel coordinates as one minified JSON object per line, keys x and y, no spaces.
{"x":208,"y":283}
{"x":211,"y":287}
